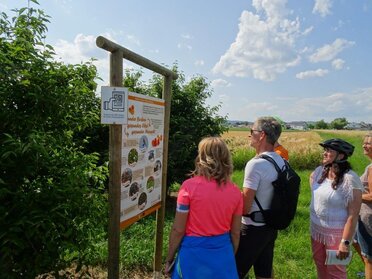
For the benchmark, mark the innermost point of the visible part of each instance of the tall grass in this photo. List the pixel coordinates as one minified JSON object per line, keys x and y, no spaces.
{"x":304,"y":150}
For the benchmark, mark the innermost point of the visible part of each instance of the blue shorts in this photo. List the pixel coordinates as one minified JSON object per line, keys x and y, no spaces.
{"x":364,"y":240}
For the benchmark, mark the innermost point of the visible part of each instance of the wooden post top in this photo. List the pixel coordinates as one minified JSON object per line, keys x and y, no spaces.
{"x":110,"y":46}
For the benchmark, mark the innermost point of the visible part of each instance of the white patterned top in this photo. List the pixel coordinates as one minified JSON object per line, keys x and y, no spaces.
{"x":328,"y":208}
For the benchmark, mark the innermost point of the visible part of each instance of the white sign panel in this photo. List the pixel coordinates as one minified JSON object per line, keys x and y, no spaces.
{"x":142,"y":157}
{"x":114,"y":105}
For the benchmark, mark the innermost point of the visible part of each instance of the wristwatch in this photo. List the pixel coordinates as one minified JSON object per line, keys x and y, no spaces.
{"x":345,"y":241}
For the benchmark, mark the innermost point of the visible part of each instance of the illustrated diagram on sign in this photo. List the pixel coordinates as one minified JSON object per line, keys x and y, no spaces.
{"x":142,"y":201}
{"x":116,"y":102}
{"x":126,"y":177}
{"x":143,"y":143}
{"x":133,"y":191}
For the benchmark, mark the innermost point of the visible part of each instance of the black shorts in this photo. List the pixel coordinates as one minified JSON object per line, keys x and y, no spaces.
{"x":256,"y":248}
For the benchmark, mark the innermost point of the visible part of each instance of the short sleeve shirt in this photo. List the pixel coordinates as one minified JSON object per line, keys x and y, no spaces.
{"x":211,"y":207}
{"x":259,"y":175}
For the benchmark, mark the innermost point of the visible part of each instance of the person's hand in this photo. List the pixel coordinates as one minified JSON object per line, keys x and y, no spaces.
{"x":343,"y":251}
{"x":169,"y":265}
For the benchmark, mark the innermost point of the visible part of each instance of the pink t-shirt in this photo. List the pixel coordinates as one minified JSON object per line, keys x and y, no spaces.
{"x":210,"y":207}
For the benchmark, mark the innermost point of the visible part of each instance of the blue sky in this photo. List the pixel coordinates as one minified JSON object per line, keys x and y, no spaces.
{"x":299,"y":60}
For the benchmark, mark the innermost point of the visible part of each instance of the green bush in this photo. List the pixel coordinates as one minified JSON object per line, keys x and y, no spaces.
{"x":52,"y":205}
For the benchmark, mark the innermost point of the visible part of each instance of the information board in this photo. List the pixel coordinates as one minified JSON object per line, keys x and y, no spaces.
{"x":142,"y":158}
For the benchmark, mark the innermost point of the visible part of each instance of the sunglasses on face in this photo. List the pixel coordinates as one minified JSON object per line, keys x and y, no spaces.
{"x":252,"y":130}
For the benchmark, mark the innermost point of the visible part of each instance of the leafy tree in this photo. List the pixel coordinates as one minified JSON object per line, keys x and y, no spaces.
{"x":339,"y":123}
{"x":51,"y":203}
{"x":191,"y":119}
{"x":310,"y":126}
{"x":321,"y":124}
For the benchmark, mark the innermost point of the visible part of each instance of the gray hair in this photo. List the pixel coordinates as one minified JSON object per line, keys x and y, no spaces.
{"x":271,"y":127}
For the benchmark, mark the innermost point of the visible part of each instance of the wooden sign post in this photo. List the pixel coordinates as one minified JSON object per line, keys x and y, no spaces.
{"x":115,"y":150}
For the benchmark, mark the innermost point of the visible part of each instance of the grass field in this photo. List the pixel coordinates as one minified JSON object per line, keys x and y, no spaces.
{"x":292,"y":251}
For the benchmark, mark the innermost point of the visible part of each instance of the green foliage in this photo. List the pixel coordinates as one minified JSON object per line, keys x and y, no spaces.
{"x":310,"y":126}
{"x":241,"y":156}
{"x":52,"y":205}
{"x":338,"y":123}
{"x":307,"y":159}
{"x":321,"y":124}
{"x":304,"y":160}
{"x":191,"y":119}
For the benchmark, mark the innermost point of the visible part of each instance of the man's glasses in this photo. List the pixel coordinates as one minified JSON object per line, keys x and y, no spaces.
{"x":252,"y":130}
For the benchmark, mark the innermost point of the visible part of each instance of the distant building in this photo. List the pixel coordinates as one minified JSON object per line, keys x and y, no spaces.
{"x":297,"y":125}
{"x":358,"y":126}
{"x":353,"y":126}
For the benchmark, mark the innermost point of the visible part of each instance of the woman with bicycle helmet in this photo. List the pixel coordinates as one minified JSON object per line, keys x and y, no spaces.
{"x":336,"y":194}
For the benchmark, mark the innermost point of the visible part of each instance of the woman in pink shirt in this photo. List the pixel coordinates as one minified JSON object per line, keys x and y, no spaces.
{"x":206,"y":228}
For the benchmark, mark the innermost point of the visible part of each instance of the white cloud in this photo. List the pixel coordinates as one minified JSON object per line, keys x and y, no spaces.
{"x":199,"y":62}
{"x":340,"y":23}
{"x":311,"y":74}
{"x":186,"y":36}
{"x":224,"y":98}
{"x":181,"y":45}
{"x":322,"y":7}
{"x":253,"y":110}
{"x":220,"y":83}
{"x":338,"y":64}
{"x":132,"y":39}
{"x":353,"y":106}
{"x":265,"y":44}
{"x":82,"y":49}
{"x":308,"y":30}
{"x":329,"y":52}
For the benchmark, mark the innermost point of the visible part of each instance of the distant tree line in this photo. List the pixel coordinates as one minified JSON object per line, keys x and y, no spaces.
{"x":337,"y":124}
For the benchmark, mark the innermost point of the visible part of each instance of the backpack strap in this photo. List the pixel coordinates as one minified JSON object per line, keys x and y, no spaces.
{"x":271,"y":160}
